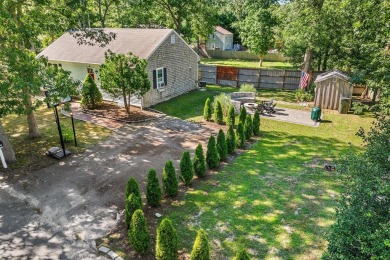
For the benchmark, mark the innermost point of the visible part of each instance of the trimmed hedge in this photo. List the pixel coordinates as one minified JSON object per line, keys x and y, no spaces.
{"x":199,"y":162}
{"x":256,"y":123}
{"x":166,"y":241}
{"x":207,"y":110}
{"x":242,"y":116}
{"x":133,"y":202}
{"x":231,"y":117}
{"x":240,"y":135}
{"x":170,"y":183}
{"x":139,"y":237}
{"x":218,"y":114}
{"x":186,"y":168}
{"x":221,"y":145}
{"x":132,"y":187}
{"x":153,"y":190}
{"x":212,"y":157}
{"x":90,"y":93}
{"x":242,"y":255}
{"x":230,"y":140}
{"x":201,"y":249}
{"x":248,"y":127}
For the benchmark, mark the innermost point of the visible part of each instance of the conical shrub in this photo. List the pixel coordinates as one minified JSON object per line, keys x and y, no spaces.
{"x":153,"y":190}
{"x":240,"y":135}
{"x":132,"y":187}
{"x":166,"y":241}
{"x":201,"y":249}
{"x":248,"y":127}
{"x":242,"y":255}
{"x":90,"y":93}
{"x":199,"y":162}
{"x":256,"y":123}
{"x":212,"y":157}
{"x":218,"y":114}
{"x":139,"y":237}
{"x":242,"y":116}
{"x":207,"y":110}
{"x":186,"y":168}
{"x":133,"y":202}
{"x":230,"y":140}
{"x":221,"y":145}
{"x":170,"y":183}
{"x":231,"y":117}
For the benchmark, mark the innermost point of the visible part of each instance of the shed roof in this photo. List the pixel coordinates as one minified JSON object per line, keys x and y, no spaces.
{"x":222,"y":30}
{"x":330,"y":74}
{"x":141,"y":42}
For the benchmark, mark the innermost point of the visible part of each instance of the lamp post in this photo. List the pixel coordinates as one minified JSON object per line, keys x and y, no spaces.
{"x":74,"y":131}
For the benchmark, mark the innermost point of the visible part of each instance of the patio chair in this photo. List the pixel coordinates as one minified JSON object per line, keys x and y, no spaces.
{"x":270,"y":109}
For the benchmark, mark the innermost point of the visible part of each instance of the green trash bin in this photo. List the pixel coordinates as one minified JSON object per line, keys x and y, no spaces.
{"x":316,"y":114}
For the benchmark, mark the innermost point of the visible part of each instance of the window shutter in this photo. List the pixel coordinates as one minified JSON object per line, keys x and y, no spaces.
{"x":154,"y":79}
{"x":165,"y":76}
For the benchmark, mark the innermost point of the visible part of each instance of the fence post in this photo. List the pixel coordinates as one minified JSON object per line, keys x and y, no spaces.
{"x":284,"y":78}
{"x":259,"y":85}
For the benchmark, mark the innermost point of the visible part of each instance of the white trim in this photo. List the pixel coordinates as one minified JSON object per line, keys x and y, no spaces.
{"x":159,"y":83}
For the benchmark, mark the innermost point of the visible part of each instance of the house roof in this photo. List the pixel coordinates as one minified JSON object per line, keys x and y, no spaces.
{"x":141,"y":42}
{"x":330,"y":74}
{"x":222,"y":30}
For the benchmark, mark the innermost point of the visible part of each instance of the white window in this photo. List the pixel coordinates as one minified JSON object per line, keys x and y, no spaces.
{"x":160,"y":77}
{"x":173,"y":38}
{"x":213,"y":46}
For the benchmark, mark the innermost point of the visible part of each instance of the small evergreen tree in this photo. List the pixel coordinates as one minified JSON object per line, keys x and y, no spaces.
{"x":139,"y":237}
{"x":186,"y":168}
{"x":132,"y":187}
{"x":201,"y":249}
{"x":221,"y":145}
{"x":133,"y":202}
{"x":218,"y":114}
{"x":199,"y":162}
{"x":256,"y":123}
{"x":207,"y":110}
{"x":230,"y":140}
{"x":240,"y":135}
{"x":212,"y":157}
{"x":153,"y":190}
{"x":242,"y":116}
{"x":90,"y":94}
{"x":231,"y":117}
{"x":248,"y":127}
{"x":242,"y":255}
{"x":171,"y":185}
{"x":166,"y":241}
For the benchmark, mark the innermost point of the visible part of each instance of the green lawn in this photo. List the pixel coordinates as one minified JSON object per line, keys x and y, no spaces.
{"x":246,"y":63}
{"x":275,"y":199}
{"x":30,"y":153}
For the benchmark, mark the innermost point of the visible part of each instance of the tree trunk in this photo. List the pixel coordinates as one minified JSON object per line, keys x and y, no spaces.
{"x":33,"y":130}
{"x":7,"y":149}
{"x":325,"y":63}
{"x":374,"y":94}
{"x":125,"y":103}
{"x":307,"y":60}
{"x":260,"y":61}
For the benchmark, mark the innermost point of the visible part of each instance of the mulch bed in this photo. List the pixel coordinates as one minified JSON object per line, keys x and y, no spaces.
{"x":113,"y":111}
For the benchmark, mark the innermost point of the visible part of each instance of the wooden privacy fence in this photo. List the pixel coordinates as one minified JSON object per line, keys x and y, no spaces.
{"x":260,"y":78}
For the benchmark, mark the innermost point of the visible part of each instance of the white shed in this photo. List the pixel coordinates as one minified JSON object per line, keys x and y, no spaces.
{"x":331,"y":87}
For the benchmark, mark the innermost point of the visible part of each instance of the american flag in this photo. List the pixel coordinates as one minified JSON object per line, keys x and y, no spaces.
{"x":304,"y":79}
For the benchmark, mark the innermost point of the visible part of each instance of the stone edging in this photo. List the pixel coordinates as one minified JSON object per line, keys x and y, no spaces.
{"x":112,"y":254}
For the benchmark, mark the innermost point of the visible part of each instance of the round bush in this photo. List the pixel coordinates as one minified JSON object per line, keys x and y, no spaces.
{"x":166,"y":241}
{"x":153,"y":190}
{"x":199,"y":162}
{"x":242,"y":255}
{"x":230,"y":140}
{"x":240,"y":135}
{"x":256,"y":123}
{"x":242,"y":115}
{"x":248,"y":127}
{"x":186,"y":168}
{"x":221,"y":145}
{"x":207,"y":110}
{"x":132,"y":187}
{"x":139,"y":237}
{"x":201,"y":249}
{"x":231,"y":117}
{"x":218,"y":114}
{"x":212,"y":157}
{"x":133,"y":202}
{"x":170,"y":183}
{"x":90,"y":94}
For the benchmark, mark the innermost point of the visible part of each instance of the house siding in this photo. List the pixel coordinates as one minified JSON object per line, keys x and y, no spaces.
{"x":182,"y":71}
{"x":218,"y":41}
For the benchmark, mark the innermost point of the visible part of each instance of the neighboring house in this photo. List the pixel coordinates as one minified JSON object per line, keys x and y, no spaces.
{"x":221,"y":39}
{"x":172,"y":64}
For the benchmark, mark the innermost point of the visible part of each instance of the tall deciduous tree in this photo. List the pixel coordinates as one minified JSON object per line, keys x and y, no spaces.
{"x":124,"y":75}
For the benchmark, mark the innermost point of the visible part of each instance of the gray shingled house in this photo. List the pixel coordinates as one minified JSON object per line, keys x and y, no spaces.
{"x":220,"y":39}
{"x":172,"y":64}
